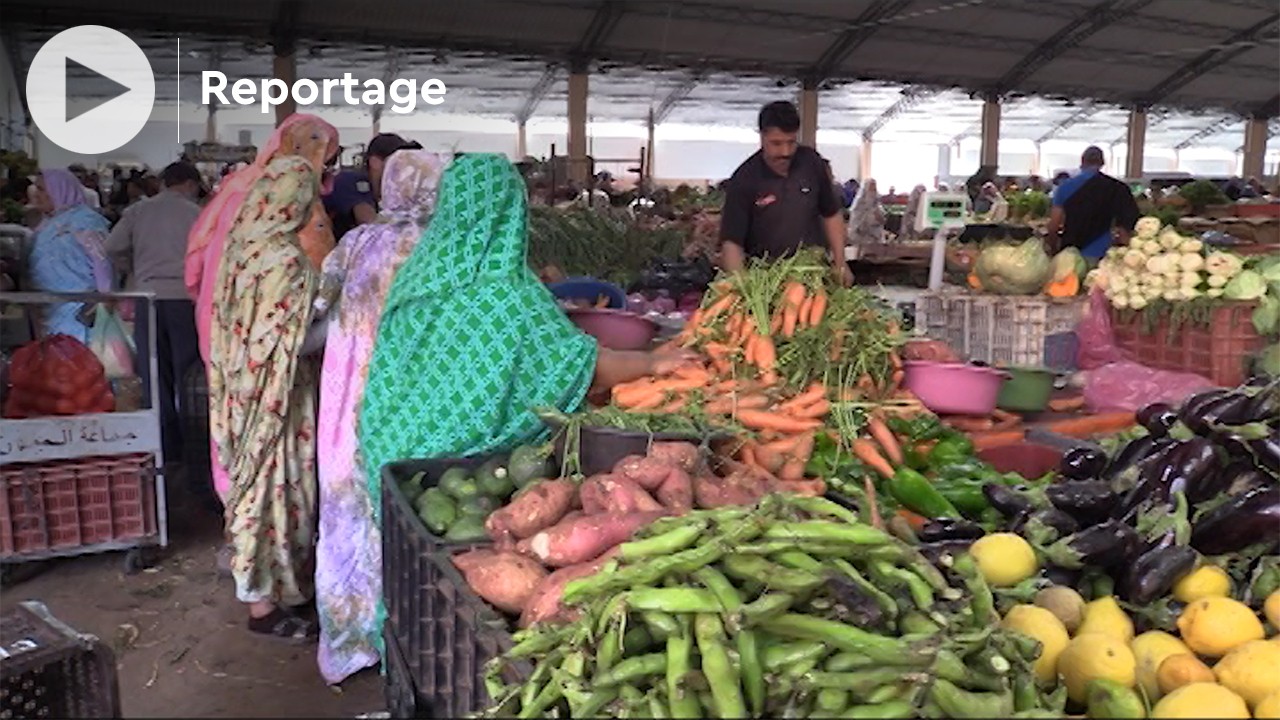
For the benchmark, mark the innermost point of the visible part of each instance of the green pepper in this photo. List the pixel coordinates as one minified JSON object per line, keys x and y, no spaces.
{"x":917,"y":494}
{"x":965,"y":495}
{"x":951,"y":451}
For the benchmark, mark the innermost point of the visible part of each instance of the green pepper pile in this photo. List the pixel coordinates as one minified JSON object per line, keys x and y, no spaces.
{"x":790,"y":609}
{"x":943,"y":482}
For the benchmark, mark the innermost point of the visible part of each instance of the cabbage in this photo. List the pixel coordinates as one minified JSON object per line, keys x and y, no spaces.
{"x":1266,"y":318}
{"x":1068,"y":262}
{"x":1147,"y":227}
{"x":1270,"y":268}
{"x":1248,"y":285}
{"x":1013,"y":269}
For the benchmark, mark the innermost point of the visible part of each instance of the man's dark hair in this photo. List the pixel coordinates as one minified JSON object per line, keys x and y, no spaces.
{"x":781,"y":115}
{"x":383,"y":145}
{"x":1092,"y":157}
{"x":178,"y":173}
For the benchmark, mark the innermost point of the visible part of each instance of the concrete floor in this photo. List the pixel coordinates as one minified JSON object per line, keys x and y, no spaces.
{"x":181,"y":646}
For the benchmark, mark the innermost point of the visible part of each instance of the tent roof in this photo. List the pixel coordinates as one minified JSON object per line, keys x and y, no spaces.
{"x":906,"y":69}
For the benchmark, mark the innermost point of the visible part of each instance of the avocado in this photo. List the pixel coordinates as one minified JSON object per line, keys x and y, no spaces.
{"x":452,"y":479}
{"x":495,"y":484}
{"x":412,"y":487}
{"x":437,"y":510}
{"x":468,"y":528}
{"x":527,"y":463}
{"x":480,"y":506}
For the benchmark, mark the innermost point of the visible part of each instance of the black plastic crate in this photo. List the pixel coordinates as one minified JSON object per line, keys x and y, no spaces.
{"x":401,"y":694}
{"x":442,"y":630}
{"x":393,"y":474}
{"x":48,"y":670}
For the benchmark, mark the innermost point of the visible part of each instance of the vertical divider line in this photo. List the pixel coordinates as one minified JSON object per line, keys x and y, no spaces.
{"x":178,"y":113}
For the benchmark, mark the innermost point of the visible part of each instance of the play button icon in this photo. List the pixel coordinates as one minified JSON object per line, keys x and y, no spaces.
{"x":90,"y":89}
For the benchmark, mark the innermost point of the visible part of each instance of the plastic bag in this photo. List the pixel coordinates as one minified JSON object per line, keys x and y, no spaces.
{"x":109,"y":341}
{"x":56,"y":375}
{"x":1129,"y":386}
{"x":1097,"y":341}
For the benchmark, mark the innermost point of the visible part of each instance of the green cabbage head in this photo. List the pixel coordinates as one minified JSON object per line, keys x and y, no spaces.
{"x":1014,"y":269}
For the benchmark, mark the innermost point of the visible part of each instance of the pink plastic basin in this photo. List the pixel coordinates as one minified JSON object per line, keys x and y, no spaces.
{"x":954,"y":388}
{"x":615,"y":329}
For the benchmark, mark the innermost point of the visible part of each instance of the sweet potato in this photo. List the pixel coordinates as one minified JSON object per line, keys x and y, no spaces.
{"x":544,"y":604}
{"x":580,"y":540}
{"x":612,"y":493}
{"x":539,"y":506}
{"x":740,"y":488}
{"x":676,"y":492}
{"x":681,"y":454}
{"x":647,"y":472}
{"x":505,"y":579}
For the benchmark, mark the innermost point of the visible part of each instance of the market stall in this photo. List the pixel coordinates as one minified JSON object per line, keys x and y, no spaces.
{"x":825,"y":516}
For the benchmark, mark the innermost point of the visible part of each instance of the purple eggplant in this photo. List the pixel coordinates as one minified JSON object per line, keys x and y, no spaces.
{"x":1044,"y":526}
{"x":1106,"y":545}
{"x":1082,"y":463}
{"x":1155,"y":571}
{"x":1133,"y":453}
{"x":1006,"y":500}
{"x":1244,"y":520}
{"x":1157,"y":418}
{"x":1200,"y":417}
{"x":1084,"y":500}
{"x":1155,"y":475}
{"x":939,"y":529}
{"x":1267,"y":452}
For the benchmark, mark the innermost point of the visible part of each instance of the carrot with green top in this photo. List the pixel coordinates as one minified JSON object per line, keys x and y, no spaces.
{"x":884,"y":436}
{"x":866,"y":451}
{"x":818,"y":309}
{"x":765,"y":420}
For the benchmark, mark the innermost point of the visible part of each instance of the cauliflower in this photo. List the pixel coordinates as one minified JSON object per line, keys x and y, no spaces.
{"x":1191,"y":262}
{"x":1120,"y":301}
{"x":1224,"y":264}
{"x":1134,"y":259}
{"x":1156,"y":265}
{"x":1191,"y":279}
{"x":1151,"y":247}
{"x":1173,"y":294}
{"x":1218,"y":281}
{"x":1191,"y":246}
{"x":1096,"y":278}
{"x":1154,"y":281}
{"x":1214,"y":292}
{"x":1189,"y":293}
{"x":1147,"y":227}
{"x":1137,"y":302}
{"x":1170,"y":239}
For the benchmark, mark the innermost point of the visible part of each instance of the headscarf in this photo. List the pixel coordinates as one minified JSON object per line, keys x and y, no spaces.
{"x":866,"y":218}
{"x":68,"y":253}
{"x":485,"y":340}
{"x":63,"y":188}
{"x":304,"y":135}
{"x":909,"y":215}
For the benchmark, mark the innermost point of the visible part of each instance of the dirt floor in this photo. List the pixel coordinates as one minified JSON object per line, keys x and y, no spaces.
{"x":179,"y":637}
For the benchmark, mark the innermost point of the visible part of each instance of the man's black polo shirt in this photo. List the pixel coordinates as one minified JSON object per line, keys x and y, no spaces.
{"x":771,"y":215}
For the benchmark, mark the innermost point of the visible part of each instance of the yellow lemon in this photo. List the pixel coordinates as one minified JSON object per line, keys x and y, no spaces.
{"x":1105,"y":616}
{"x":1201,"y":700}
{"x":1004,"y":559}
{"x":1271,"y":608}
{"x":1251,"y":671}
{"x":1178,"y":670}
{"x":1094,"y":655}
{"x":1044,"y":626}
{"x":1269,"y":708}
{"x":1213,"y":626}
{"x":1204,"y":581}
{"x":1150,"y":649}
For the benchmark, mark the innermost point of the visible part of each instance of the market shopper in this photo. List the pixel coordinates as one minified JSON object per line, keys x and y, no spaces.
{"x":866,"y":217}
{"x":781,"y":198}
{"x":1088,"y":207}
{"x":470,"y":342}
{"x":304,"y":135}
{"x":353,"y":201}
{"x":68,"y":253}
{"x":349,"y":552}
{"x":149,"y":246}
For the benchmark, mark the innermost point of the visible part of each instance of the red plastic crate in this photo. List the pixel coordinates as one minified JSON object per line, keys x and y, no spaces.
{"x":64,"y":504}
{"x":1219,"y":352}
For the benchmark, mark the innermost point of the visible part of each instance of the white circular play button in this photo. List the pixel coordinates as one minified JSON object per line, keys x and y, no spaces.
{"x":111,"y":78}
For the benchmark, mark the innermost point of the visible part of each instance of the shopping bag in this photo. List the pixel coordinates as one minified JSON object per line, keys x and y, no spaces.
{"x":111,"y":343}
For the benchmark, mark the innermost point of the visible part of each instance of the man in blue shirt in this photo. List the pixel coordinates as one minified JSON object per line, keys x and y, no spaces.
{"x":354,"y":198}
{"x":1087,"y":207}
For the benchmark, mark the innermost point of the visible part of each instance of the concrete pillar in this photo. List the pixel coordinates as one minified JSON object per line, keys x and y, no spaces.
{"x":1255,"y":148}
{"x":1177,"y":159}
{"x":522,"y":141}
{"x":578,"y":124}
{"x":944,"y":162}
{"x":809,"y":114}
{"x":1037,"y":159}
{"x":375,"y":125}
{"x":1135,"y":143}
{"x":864,"y":159}
{"x":211,"y":124}
{"x":285,"y":67}
{"x":990,"y":153}
{"x":650,"y":151}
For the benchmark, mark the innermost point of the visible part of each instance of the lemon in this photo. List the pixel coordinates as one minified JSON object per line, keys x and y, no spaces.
{"x":1004,"y":559}
{"x":1269,"y":708}
{"x":1201,"y":700}
{"x":1150,"y":649}
{"x":1178,"y":670}
{"x":1105,"y":616}
{"x":1271,"y":608}
{"x":1251,"y":671}
{"x":1091,"y":656}
{"x":1204,"y":581}
{"x":1044,"y":626}
{"x":1213,"y":626}
{"x":1065,"y":603}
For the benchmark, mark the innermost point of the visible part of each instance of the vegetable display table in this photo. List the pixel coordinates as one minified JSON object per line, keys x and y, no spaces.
{"x":89,"y":483}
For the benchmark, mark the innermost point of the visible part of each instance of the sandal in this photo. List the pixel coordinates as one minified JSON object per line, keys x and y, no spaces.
{"x":282,"y":625}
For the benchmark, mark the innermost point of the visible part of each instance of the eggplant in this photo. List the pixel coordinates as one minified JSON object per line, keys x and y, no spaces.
{"x":1082,"y":463}
{"x":1133,"y":453}
{"x":1198,"y":460}
{"x":1204,"y":414}
{"x":1006,"y":500}
{"x":1083,"y":499}
{"x":1155,"y":571}
{"x":949,"y":529}
{"x":1240,"y":473}
{"x":1157,"y":418}
{"x":1194,"y":405}
{"x":1244,"y":520}
{"x":1155,"y":474}
{"x":1267,"y":453}
{"x":937,"y":552}
{"x":1062,"y":576}
{"x":856,"y":605}
{"x":1264,"y":406}
{"x":1105,"y":545}
{"x":1042,"y":527}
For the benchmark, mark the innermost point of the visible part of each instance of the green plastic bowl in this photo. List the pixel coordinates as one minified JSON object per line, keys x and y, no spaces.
{"x":1027,"y":390}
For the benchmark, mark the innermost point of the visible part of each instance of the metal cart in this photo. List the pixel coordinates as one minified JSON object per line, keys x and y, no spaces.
{"x":81,"y":484}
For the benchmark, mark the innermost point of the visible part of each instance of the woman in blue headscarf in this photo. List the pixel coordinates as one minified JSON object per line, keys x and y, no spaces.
{"x":68,"y":254}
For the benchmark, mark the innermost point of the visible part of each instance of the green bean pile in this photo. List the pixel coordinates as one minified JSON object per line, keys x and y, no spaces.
{"x":790,"y":609}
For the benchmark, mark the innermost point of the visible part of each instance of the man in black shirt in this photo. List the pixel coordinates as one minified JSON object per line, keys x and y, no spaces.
{"x":781,"y":199}
{"x":1087,"y":207}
